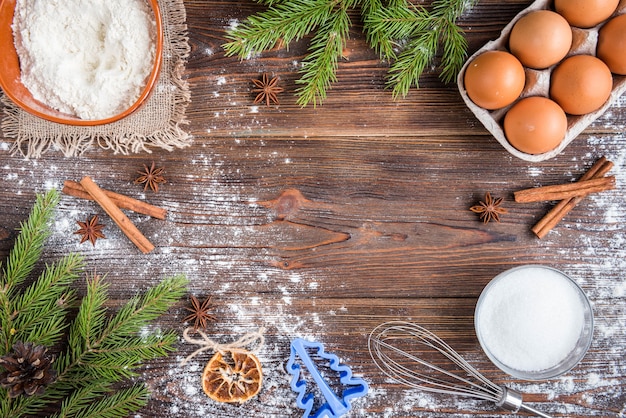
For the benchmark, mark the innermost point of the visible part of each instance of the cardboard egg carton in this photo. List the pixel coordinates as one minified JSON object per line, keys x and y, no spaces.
{"x":584,"y":41}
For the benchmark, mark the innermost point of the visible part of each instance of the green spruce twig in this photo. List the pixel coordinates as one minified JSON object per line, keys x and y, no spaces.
{"x":37,"y":314}
{"x":104,"y":350}
{"x":407,"y":35}
{"x":101,"y":349}
{"x":284,"y":22}
{"x":319,"y":69}
{"x":117,"y":405}
{"x":29,"y":243}
{"x":42,"y":306}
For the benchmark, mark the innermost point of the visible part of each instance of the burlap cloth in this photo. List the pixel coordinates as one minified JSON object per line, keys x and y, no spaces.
{"x":155,"y":124}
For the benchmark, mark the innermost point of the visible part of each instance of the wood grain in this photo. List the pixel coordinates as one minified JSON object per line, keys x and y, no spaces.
{"x":322,"y":222}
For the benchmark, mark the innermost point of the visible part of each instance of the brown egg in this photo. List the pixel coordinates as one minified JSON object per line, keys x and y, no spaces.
{"x":535,"y":125}
{"x":612,"y":44}
{"x":585,"y":13}
{"x":581,"y":84}
{"x":494,"y":79}
{"x":540,"y":39}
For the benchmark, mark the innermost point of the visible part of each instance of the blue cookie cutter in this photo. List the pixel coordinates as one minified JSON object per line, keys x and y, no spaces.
{"x":334,"y":406}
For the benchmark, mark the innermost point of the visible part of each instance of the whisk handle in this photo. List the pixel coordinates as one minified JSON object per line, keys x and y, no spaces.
{"x":533,"y":411}
{"x":512,"y":400}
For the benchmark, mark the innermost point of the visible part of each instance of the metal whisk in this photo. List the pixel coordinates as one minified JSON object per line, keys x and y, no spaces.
{"x":394,"y":347}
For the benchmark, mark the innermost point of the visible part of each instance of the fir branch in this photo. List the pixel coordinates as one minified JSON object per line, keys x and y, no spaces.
{"x":139,"y":311}
{"x":110,"y":349}
{"x":454,"y":52}
{"x":80,"y":399}
{"x":101,"y":351}
{"x":38,"y":314}
{"x":86,"y":327}
{"x":388,"y":26}
{"x":427,"y":31}
{"x":411,"y":63}
{"x":98,"y":401}
{"x":376,"y":37}
{"x":116,"y":405}
{"x":91,"y":317}
{"x":20,"y":407}
{"x":21,"y":261}
{"x":118,"y":359}
{"x":43,"y":305}
{"x":144,"y":347}
{"x":104,"y":366}
{"x":320,"y":67}
{"x":396,"y":29}
{"x":284,"y":22}
{"x":29,"y":244}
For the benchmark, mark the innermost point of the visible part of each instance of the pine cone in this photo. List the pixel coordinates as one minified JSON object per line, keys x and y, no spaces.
{"x":27,"y":370}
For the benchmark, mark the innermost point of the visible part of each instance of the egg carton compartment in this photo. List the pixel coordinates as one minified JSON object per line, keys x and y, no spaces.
{"x":584,"y":41}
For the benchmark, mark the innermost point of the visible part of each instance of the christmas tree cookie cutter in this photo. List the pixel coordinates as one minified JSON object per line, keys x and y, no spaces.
{"x":335,"y":405}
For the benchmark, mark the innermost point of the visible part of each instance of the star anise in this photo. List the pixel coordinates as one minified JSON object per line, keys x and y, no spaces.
{"x":267,"y":90}
{"x":489,"y":209}
{"x":90,"y":230}
{"x":199,"y":312}
{"x":151,"y":177}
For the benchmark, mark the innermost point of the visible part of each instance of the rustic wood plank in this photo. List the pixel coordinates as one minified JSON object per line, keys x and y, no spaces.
{"x":223,"y":100}
{"x":324,"y":222}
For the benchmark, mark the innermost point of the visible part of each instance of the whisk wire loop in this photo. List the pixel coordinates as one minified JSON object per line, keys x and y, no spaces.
{"x":410,"y":376}
{"x":405,"y":366}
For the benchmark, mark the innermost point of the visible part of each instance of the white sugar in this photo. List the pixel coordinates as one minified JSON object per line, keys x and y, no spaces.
{"x":531,"y":319}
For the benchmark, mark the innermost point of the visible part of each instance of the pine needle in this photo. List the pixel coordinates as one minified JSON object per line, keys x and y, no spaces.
{"x":110,"y":348}
{"x":101,"y":349}
{"x":29,"y":244}
{"x":140,"y":310}
{"x":408,"y":35}
{"x":98,"y":402}
{"x":81,"y":399}
{"x":454,"y":52}
{"x":320,"y":67}
{"x":37,"y":314}
{"x":119,"y":404}
{"x":43,"y":305}
{"x":285,"y":22}
{"x":412,"y":62}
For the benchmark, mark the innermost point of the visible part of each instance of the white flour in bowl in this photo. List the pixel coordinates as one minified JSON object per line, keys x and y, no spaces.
{"x":87,"y":58}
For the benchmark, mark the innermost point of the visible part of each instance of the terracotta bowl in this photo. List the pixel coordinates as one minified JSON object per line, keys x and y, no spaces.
{"x":11,"y":83}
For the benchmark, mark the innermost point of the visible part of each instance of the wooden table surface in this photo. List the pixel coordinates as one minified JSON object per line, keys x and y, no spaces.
{"x":323,"y":222}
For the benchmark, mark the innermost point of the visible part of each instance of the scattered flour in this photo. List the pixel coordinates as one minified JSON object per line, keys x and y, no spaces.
{"x":233,"y":24}
{"x":585,"y":391}
{"x":88,"y":58}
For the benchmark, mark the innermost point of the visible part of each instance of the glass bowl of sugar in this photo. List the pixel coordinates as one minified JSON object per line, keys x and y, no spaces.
{"x":534,"y":322}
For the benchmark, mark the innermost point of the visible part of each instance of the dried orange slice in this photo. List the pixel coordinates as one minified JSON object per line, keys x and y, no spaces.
{"x":234,"y":377}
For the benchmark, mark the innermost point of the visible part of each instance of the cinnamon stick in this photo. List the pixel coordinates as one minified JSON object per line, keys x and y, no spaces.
{"x":565,"y":191}
{"x":561,"y":209}
{"x":73,"y":188}
{"x":125,"y":224}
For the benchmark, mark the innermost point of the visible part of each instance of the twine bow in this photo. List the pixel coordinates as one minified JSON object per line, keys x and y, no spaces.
{"x":254,"y":339}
